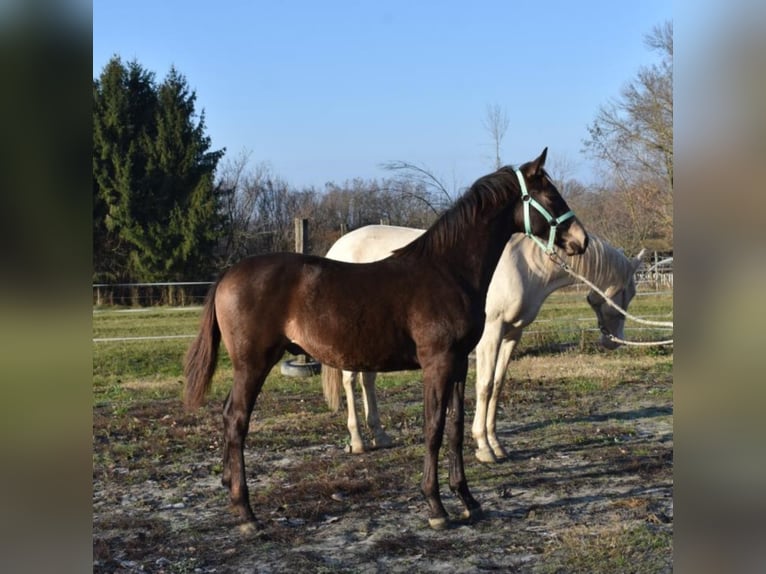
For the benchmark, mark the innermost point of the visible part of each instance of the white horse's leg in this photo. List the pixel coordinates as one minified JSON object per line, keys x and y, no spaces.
{"x":380,"y":438}
{"x":486,"y":355}
{"x":501,"y":366}
{"x":356,"y":445}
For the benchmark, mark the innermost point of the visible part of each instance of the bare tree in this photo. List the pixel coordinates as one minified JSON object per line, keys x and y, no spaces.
{"x":424,"y":185}
{"x":561,"y":168}
{"x":258,"y":209}
{"x":236,"y":184}
{"x":496,"y":123}
{"x":632,"y":137}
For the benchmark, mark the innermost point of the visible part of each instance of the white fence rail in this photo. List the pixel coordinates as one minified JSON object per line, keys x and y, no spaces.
{"x":578,"y":326}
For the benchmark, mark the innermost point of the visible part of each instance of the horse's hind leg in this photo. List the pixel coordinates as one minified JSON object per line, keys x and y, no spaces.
{"x":501,"y":367}
{"x":356,"y":444}
{"x":486,"y":361}
{"x":372,"y":415}
{"x":248,"y":381}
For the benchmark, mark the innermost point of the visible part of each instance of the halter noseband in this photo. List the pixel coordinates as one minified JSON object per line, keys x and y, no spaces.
{"x":554,"y":222}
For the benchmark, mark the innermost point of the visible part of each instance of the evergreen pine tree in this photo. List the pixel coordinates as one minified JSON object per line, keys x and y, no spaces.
{"x":155,"y":206}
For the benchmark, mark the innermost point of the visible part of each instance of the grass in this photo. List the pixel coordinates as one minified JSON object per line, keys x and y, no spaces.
{"x":126,"y":372}
{"x":564,"y":401}
{"x":629,"y":550}
{"x":565,"y":320}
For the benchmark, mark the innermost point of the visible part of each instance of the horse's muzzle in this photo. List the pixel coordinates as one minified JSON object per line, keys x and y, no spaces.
{"x":574,"y":240}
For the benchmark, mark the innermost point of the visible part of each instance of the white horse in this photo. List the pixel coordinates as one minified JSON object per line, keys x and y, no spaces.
{"x":524,"y":277}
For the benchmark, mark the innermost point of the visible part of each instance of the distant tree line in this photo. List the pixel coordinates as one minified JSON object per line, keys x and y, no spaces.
{"x":167,"y":207}
{"x":259,"y":208}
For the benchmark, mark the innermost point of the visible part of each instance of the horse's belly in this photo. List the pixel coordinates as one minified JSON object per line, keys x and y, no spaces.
{"x":352,"y":351}
{"x":364,"y":358}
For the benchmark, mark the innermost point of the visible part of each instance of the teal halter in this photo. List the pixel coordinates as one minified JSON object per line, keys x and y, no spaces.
{"x":553,"y":221}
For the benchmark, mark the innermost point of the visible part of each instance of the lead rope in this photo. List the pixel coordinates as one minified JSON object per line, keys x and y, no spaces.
{"x":556,"y":258}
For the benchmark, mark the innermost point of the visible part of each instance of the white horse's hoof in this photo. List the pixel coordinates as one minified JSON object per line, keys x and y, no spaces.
{"x":500,"y":452}
{"x":438,"y":523}
{"x":485,"y":455}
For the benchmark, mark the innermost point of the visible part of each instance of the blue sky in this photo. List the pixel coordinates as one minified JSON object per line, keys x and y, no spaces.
{"x":327,"y":91}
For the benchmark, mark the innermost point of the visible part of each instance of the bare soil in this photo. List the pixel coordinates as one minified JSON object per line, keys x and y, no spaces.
{"x":587,"y":486}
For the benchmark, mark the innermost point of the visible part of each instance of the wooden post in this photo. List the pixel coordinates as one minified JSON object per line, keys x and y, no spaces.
{"x":301,"y":235}
{"x":301,"y":242}
{"x":303,"y":365}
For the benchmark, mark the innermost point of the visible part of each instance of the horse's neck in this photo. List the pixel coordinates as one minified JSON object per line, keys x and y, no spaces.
{"x":476,"y":257}
{"x":601,"y":264}
{"x":526,"y":280}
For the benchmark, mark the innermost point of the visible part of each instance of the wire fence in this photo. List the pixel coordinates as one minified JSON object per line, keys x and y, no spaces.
{"x":545,"y":331}
{"x":150,"y":294}
{"x":190,"y":293}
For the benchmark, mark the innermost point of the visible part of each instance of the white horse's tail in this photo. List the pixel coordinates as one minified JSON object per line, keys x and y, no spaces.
{"x":332,"y":381}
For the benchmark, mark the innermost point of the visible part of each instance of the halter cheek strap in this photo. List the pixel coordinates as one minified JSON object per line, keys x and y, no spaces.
{"x":554,"y":222}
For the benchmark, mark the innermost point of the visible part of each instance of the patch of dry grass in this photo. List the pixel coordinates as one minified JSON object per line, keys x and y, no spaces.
{"x":625,"y":548}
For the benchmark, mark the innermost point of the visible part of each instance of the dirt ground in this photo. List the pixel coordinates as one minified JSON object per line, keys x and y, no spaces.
{"x":587,"y":486}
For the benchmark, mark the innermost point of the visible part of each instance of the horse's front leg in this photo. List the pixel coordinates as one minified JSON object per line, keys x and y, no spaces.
{"x":434,"y":413}
{"x":455,"y":427}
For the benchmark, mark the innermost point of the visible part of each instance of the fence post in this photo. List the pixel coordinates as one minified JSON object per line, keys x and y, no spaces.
{"x":301,"y":235}
{"x":656,"y":273}
{"x":303,"y":365}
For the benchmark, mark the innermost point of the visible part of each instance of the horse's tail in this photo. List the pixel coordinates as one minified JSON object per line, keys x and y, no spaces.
{"x":332,"y":381}
{"x":202,"y":357}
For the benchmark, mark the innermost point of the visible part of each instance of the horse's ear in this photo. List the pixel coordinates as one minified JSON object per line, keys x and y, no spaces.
{"x":541,"y":160}
{"x":536,"y":166}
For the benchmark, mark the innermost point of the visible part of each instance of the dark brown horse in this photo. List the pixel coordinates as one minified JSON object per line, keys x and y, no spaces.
{"x":423,"y":307}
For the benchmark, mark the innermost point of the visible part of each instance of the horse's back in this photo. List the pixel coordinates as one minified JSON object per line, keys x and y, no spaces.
{"x":258,"y":275}
{"x":372,"y":243}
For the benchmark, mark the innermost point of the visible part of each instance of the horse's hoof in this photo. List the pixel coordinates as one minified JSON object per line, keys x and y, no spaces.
{"x":485,"y":455}
{"x":438,"y":523}
{"x":248,"y":528}
{"x":472,"y":515}
{"x":382,"y":442}
{"x":351,"y":449}
{"x":500,"y":453}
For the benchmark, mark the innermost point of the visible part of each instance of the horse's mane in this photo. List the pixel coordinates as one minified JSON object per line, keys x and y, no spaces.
{"x":602,"y":263}
{"x":487,"y":193}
